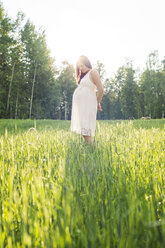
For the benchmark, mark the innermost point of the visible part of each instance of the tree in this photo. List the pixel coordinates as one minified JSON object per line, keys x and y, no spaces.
{"x":6,"y":67}
{"x":67,"y":83}
{"x":101,"y":69}
{"x":129,"y":100}
{"x":153,"y":87}
{"x":39,"y":72}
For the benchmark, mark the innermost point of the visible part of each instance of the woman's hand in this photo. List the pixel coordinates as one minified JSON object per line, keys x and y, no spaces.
{"x":99,"y":107}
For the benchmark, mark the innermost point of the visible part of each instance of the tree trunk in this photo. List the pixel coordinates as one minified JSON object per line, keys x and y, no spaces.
{"x":163,"y":111}
{"x":65,"y":110}
{"x":31,"y":101}
{"x":12,"y":75}
{"x":16,"y":107}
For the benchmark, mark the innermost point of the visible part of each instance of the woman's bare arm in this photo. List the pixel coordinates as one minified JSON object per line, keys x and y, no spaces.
{"x":95,"y":78}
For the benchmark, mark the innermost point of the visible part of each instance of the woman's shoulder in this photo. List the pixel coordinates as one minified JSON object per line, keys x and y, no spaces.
{"x":94,"y":73}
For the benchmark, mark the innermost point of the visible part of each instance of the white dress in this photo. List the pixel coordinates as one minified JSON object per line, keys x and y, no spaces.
{"x":84,"y":107}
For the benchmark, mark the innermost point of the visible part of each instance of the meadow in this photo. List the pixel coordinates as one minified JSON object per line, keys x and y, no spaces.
{"x":56,"y":192}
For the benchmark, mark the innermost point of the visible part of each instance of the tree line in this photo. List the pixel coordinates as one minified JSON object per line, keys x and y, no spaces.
{"x":31,"y":85}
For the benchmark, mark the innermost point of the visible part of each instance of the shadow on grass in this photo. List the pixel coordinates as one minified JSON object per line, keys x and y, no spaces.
{"x":79,"y":194}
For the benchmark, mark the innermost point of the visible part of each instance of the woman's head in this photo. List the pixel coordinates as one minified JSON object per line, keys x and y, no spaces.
{"x":83,"y":64}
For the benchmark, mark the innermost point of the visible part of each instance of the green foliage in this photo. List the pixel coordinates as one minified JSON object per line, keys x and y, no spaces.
{"x":67,"y":83}
{"x":6,"y":44}
{"x":128,"y":98}
{"x":153,"y":89}
{"x":56,"y":192}
{"x":22,"y":48}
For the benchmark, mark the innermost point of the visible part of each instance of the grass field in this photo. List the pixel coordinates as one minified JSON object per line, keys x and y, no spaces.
{"x":55,"y":192}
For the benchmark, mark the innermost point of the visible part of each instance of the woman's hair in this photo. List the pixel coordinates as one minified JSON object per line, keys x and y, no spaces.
{"x":84,"y":60}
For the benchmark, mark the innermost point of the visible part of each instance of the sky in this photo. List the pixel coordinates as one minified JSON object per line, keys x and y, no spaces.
{"x":106,"y":31}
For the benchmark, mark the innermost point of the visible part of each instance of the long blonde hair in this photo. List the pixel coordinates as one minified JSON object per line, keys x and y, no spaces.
{"x":84,"y":60}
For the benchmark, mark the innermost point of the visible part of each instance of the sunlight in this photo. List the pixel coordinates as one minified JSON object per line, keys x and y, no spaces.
{"x":108,"y":31}
{"x":73,"y":37}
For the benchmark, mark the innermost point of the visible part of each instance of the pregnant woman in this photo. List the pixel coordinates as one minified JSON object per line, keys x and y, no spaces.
{"x":85,"y":102}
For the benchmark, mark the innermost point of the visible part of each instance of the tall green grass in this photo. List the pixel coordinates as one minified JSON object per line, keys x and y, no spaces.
{"x":56,"y":192}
